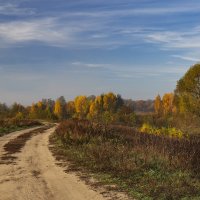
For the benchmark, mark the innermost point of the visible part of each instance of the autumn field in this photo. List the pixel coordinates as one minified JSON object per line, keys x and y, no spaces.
{"x":146,"y":166}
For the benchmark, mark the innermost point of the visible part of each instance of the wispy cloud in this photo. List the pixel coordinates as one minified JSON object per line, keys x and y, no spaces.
{"x":94,"y":29}
{"x":187,"y":58}
{"x":177,"y":39}
{"x":128,"y":72}
{"x":43,"y":30}
{"x":187,"y":42}
{"x":137,"y":11}
{"x":14,"y":9}
{"x":58,"y":31}
{"x":90,"y":65}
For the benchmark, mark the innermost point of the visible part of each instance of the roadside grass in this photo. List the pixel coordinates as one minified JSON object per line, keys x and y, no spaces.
{"x":146,"y":166}
{"x":11,"y":125}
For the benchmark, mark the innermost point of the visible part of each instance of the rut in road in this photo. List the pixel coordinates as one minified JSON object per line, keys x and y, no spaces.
{"x":32,"y":173}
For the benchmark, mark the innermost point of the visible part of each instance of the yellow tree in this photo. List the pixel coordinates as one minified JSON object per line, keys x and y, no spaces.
{"x":167,"y":100}
{"x":70,"y":108}
{"x":109,"y":101}
{"x":81,"y":106}
{"x":99,"y":103}
{"x":33,"y":111}
{"x":158,"y":105}
{"x":94,"y":109}
{"x":40,"y":105}
{"x":58,"y":111}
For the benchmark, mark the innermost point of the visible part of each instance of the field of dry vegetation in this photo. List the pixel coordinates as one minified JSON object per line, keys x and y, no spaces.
{"x":147,"y":166}
{"x":13,"y":124}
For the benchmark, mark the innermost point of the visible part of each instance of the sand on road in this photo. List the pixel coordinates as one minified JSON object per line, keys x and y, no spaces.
{"x":34,"y":175}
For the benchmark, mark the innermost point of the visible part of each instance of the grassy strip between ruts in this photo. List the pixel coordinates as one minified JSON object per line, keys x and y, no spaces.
{"x":143,"y":168}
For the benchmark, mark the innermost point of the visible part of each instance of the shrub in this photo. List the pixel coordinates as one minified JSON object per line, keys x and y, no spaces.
{"x":171,"y":132}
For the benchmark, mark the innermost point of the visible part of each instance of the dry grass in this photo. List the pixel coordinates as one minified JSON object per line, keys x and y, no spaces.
{"x":13,"y":124}
{"x":147,"y":166}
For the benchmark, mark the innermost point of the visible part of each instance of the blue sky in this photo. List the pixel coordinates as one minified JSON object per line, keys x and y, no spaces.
{"x":137,"y":48}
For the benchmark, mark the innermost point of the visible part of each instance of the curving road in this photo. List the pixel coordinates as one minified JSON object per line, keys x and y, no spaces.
{"x":28,"y":170}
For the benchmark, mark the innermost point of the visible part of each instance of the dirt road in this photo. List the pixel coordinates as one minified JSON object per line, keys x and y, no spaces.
{"x":28,"y":171}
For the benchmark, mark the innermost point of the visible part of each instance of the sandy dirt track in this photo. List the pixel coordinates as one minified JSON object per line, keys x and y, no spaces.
{"x":34,"y":174}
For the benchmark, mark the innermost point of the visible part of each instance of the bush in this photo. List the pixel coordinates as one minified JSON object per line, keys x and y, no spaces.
{"x":171,"y":132}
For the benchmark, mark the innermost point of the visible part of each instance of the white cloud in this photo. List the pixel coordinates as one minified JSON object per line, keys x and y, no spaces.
{"x":13,"y":9}
{"x":61,"y":32}
{"x":187,"y":58}
{"x":42,"y":30}
{"x":175,"y":39}
{"x":165,"y":37}
{"x":90,"y":65}
{"x":128,"y":71}
{"x":185,"y":41}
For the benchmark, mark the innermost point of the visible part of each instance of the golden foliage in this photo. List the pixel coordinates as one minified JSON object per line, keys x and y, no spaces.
{"x":167,"y":102}
{"x":81,"y":106}
{"x":158,"y":105}
{"x":109,"y":101}
{"x":58,"y":111}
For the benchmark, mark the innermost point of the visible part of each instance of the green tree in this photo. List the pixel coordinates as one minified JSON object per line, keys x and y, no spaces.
{"x":188,"y":89}
{"x":48,"y":113}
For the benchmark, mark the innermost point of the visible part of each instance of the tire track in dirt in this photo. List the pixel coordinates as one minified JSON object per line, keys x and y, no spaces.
{"x":28,"y":171}
{"x":15,"y":145}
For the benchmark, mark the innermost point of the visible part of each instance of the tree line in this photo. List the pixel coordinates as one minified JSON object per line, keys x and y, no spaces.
{"x":105,"y":107}
{"x":110,"y":107}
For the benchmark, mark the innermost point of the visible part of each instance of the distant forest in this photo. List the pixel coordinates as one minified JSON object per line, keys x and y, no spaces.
{"x":140,"y":106}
